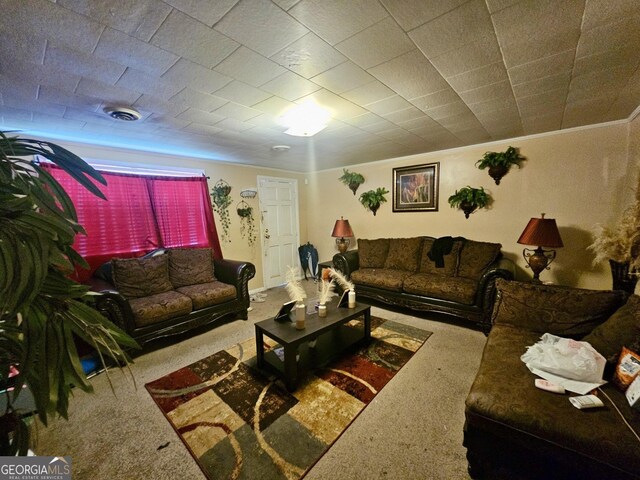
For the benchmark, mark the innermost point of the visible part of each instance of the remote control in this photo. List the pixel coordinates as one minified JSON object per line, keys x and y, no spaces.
{"x":548,"y":386}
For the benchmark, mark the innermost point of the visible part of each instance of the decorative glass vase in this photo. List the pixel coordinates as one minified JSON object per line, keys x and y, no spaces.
{"x":322,"y":310}
{"x":623,"y":279}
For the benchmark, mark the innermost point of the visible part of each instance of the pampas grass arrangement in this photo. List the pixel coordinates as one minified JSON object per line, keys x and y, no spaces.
{"x":326,"y":291}
{"x":293,"y":287}
{"x":622,"y":242}
{"x":341,"y":280}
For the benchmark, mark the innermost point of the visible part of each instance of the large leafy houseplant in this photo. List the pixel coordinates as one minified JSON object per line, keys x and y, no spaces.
{"x":468,"y":199}
{"x":351,"y":179}
{"x":41,"y":308}
{"x":372,"y":199}
{"x":499,"y":163}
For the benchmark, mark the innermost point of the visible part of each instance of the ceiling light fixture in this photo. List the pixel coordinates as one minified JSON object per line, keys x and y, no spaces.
{"x":123,"y":113}
{"x":305,"y":119}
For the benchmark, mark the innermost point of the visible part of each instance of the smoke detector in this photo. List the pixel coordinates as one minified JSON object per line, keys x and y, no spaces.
{"x":123,"y":113}
{"x":280,"y":148}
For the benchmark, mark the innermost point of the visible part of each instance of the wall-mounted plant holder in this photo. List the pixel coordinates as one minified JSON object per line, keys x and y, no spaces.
{"x":469,"y":199}
{"x":351,"y":179}
{"x":372,"y":199}
{"x":249,"y":192}
{"x":499,"y":163}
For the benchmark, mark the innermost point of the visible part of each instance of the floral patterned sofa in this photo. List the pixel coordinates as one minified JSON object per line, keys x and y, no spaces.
{"x":449,"y":275}
{"x":514,"y":430}
{"x":170,"y":291}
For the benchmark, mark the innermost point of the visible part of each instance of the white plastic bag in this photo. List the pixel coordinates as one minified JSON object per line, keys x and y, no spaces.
{"x":565,"y":357}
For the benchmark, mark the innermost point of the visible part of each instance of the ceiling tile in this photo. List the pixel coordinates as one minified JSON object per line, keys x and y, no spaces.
{"x":199,"y":116}
{"x":343,"y":77}
{"x":619,"y":57}
{"x":202,"y":129}
{"x":376,"y":44}
{"x":538,"y":104}
{"x":534,"y":29}
{"x":199,"y":100}
{"x":441,"y":97}
{"x":411,"y":75}
{"x":204,"y":11}
{"x":412,"y":13}
{"x":38,"y":108}
{"x":285,"y":4}
{"x":612,"y":78}
{"x":453,"y":29}
{"x":193,"y":40}
{"x":493,"y":105}
{"x":542,"y":123}
{"x":121,"y":48}
{"x":237,"y":111}
{"x":141,"y":82}
{"x":542,"y":67}
{"x":423,"y":123}
{"x":449,"y":110}
{"x":484,"y":51}
{"x":261,"y":26}
{"x":365,"y":119}
{"x":460,"y":123}
{"x":64,"y":59}
{"x":404,"y":115}
{"x":140,"y":18}
{"x":473,"y":135}
{"x":541,"y":85}
{"x":107,"y":93}
{"x":492,"y":73}
{"x":88,"y":116}
{"x":20,"y":46}
{"x":378,"y":126}
{"x":388,"y":105}
{"x":25,"y":90}
{"x":610,"y":36}
{"x":275,"y":106}
{"x":290,"y":86}
{"x":159,"y":107}
{"x":185,"y":73}
{"x":497,"y":5}
{"x":235,"y":125}
{"x":340,"y":108}
{"x":496,"y":91}
{"x":242,"y":93}
{"x":249,"y":67}
{"x":336,"y":20}
{"x":42,"y":75}
{"x":369,"y":93}
{"x":309,"y":56}
{"x":601,"y":12}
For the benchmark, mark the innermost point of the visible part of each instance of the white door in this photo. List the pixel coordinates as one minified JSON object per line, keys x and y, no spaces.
{"x":280,"y":228}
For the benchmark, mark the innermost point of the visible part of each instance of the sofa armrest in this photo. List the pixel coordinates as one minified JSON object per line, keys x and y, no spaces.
{"x":501,"y":268}
{"x":347,"y":262}
{"x":236,"y":273}
{"x":112,"y":304}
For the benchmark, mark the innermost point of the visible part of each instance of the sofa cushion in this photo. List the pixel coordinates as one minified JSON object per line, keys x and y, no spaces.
{"x":475,"y":258}
{"x":505,"y":401}
{"x":159,"y":307}
{"x":141,"y":277}
{"x":455,"y":289}
{"x":622,"y":329}
{"x":404,"y":254}
{"x":190,"y":266}
{"x":373,"y":253}
{"x":563,"y":311}
{"x":450,"y":260}
{"x":380,"y":278}
{"x":207,"y":294}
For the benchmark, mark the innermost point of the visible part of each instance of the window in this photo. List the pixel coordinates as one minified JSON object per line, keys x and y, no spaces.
{"x":141,"y":213}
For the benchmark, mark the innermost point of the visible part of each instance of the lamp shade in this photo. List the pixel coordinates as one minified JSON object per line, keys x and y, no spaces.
{"x":541,"y":232}
{"x":342,"y":229}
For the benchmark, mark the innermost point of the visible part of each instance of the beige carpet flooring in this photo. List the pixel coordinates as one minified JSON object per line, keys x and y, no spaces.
{"x":411,"y":430}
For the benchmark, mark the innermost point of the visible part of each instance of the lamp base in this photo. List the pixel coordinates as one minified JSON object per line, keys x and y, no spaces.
{"x":538,"y":260}
{"x":342,"y":244}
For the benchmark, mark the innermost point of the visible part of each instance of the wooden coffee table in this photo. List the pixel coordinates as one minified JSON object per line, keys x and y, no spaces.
{"x":330,"y":333}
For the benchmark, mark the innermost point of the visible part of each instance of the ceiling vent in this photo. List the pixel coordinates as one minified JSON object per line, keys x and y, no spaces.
{"x":123,"y":113}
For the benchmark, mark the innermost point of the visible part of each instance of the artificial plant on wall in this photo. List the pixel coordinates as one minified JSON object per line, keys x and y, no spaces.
{"x":351,"y":179}
{"x":372,"y":199}
{"x":499,"y":163}
{"x":41,"y":308}
{"x":247,"y":222}
{"x":221,"y":200}
{"x":469,"y":199}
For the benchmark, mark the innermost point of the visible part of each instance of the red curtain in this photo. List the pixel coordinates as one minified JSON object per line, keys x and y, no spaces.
{"x":141,"y":213}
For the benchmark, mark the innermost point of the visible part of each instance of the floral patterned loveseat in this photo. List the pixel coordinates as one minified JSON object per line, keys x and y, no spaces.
{"x":451,"y":275}
{"x":169,"y":291}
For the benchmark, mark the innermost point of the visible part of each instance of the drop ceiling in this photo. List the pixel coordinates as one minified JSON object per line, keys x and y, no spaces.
{"x":400,"y":77}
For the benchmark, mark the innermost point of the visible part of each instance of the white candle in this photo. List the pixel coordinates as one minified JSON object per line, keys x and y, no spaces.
{"x":300,"y":316}
{"x":352,"y":299}
{"x":322,"y":310}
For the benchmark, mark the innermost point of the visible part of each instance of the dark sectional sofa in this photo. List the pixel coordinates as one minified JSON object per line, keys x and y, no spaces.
{"x":170,"y":291}
{"x":516,"y":431}
{"x":402,"y":272}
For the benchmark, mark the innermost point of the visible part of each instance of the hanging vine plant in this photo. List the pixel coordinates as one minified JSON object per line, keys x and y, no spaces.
{"x":221,"y":199}
{"x":247,"y":222}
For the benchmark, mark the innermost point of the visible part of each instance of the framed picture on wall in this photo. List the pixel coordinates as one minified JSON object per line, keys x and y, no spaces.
{"x":415,"y":188}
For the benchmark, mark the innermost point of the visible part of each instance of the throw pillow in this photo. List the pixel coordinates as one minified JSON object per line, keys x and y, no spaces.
{"x":141,"y":277}
{"x":622,"y":329}
{"x":190,"y":266}
{"x":476,"y":257}
{"x":404,"y":254}
{"x":373,"y":253}
{"x":563,"y":311}
{"x":450,"y":260}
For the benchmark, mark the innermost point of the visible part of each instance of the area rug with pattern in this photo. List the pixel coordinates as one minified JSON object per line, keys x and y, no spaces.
{"x":241,"y":423}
